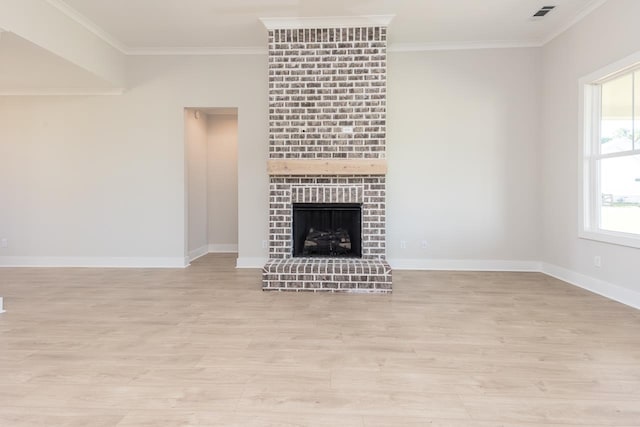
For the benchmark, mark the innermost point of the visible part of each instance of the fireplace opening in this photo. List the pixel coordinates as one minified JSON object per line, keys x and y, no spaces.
{"x":327,"y":230}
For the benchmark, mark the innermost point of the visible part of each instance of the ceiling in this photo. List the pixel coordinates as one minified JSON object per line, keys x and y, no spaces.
{"x":67,"y":46}
{"x":136,"y":25}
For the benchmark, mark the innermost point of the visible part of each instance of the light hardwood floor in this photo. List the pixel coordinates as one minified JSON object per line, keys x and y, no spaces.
{"x":205,"y":346}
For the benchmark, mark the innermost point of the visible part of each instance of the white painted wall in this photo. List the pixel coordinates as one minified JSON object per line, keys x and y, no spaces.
{"x":223,"y":181}
{"x":46,"y":25}
{"x":196,"y":140}
{"x":463,"y":158}
{"x":27,"y":68}
{"x":101,"y":180}
{"x":607,"y":35}
{"x":103,"y":177}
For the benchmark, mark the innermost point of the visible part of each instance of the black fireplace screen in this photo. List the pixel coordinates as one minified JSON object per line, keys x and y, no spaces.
{"x":327,"y":230}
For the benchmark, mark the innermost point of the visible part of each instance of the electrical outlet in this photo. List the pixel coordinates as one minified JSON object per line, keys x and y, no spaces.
{"x":403,"y":244}
{"x":265,"y":244}
{"x":4,"y":243}
{"x":424,"y":244}
{"x":597,"y":261}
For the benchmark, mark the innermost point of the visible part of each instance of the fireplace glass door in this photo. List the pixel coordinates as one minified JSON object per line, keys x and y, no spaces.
{"x":327,"y":230}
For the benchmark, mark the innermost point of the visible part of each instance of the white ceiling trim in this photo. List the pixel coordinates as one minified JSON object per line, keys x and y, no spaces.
{"x":63,"y":92}
{"x":88,"y":24}
{"x":313,"y":22}
{"x":494,"y":44}
{"x":327,"y":22}
{"x":196,"y":51}
{"x":590,"y":7}
{"x":395,"y":47}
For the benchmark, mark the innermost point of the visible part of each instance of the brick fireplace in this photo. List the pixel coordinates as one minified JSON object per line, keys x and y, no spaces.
{"x":327,"y":134}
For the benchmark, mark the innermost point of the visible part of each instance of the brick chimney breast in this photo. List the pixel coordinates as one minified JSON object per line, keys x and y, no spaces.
{"x":327,"y":139}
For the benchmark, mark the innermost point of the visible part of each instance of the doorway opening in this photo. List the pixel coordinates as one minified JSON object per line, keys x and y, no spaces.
{"x":211,"y":151}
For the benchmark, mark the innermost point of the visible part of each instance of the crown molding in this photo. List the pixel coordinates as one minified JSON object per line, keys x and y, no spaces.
{"x":590,"y":7}
{"x":313,"y":22}
{"x":195,"y":51}
{"x":327,"y":22}
{"x":62,"y":92}
{"x":468,"y":45}
{"x":88,"y":24}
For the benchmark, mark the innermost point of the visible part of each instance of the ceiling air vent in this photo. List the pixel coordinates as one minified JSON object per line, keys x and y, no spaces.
{"x":543,"y":11}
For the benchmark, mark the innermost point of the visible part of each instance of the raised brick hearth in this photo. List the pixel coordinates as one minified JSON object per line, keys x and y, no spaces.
{"x":327,"y":274}
{"x":327,"y":101}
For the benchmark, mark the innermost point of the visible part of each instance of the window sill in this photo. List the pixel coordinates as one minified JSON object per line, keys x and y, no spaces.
{"x":615,"y":238}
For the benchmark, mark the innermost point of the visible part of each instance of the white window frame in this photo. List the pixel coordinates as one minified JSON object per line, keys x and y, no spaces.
{"x":589,"y":133}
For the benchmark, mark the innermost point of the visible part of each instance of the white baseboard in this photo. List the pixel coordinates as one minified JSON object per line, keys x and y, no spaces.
{"x":250,"y":262}
{"x":197,"y":253}
{"x":608,"y":290}
{"x":211,"y":249}
{"x":110,"y":262}
{"x":1,"y":305}
{"x":463,"y":264}
{"x":223,"y":248}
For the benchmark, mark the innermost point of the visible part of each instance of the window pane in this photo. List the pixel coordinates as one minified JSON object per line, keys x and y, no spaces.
{"x":616,"y":126}
{"x":636,"y":108}
{"x":620,"y":188}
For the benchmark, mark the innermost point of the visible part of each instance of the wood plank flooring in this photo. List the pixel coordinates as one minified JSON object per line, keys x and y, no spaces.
{"x":205,"y":346}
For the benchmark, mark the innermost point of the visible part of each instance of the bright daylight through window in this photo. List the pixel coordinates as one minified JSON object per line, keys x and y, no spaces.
{"x":611,"y":210}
